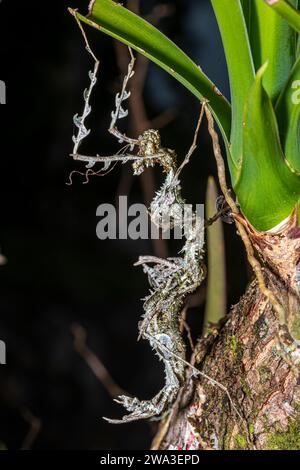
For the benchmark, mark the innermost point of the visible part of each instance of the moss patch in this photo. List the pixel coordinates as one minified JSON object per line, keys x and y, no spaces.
{"x":241,"y":442}
{"x":233,"y":344}
{"x":286,"y":440}
{"x":235,"y":348}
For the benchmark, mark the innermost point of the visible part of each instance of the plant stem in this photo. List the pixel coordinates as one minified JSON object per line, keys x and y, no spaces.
{"x":287,"y":11}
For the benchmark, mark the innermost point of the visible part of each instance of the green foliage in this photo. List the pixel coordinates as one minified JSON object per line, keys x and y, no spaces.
{"x":287,"y":11}
{"x":288,"y":115}
{"x":241,"y":71}
{"x":267,"y":190}
{"x":273,"y":41}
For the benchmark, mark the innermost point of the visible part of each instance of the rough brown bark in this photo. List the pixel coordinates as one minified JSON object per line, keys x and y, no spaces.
{"x":256,"y":356}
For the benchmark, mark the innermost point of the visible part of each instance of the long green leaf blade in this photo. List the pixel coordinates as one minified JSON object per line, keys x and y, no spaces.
{"x":115,"y":20}
{"x":247,"y":9}
{"x":272,"y":40}
{"x":215,"y":307}
{"x":267,"y":190}
{"x":235,"y":40}
{"x":287,"y":11}
{"x":288,"y":116}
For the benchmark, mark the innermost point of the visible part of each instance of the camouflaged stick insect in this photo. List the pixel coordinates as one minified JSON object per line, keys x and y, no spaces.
{"x":170,"y":280}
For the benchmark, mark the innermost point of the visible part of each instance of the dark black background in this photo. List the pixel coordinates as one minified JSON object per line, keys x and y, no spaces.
{"x":58,"y":273}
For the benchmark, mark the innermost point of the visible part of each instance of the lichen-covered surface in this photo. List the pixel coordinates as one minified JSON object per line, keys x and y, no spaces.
{"x":259,"y":368}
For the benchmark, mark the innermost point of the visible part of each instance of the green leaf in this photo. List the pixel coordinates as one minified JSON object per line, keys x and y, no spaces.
{"x":287,"y":11}
{"x":215,"y":307}
{"x":267,"y":190}
{"x":234,"y":34}
{"x":247,"y":9}
{"x":298,"y":38}
{"x":115,"y":20}
{"x":272,"y":40}
{"x":288,"y":115}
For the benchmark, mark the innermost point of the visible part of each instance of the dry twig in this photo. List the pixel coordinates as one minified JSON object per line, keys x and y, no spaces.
{"x":241,"y":229}
{"x":35,"y":425}
{"x":94,"y":363}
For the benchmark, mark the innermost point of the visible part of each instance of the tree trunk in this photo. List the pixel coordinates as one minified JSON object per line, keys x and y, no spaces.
{"x":256,"y":357}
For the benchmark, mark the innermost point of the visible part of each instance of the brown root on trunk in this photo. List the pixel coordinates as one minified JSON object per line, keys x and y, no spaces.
{"x":253,"y":354}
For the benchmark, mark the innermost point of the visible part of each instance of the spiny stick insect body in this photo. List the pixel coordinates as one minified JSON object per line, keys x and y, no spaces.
{"x":170,"y":280}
